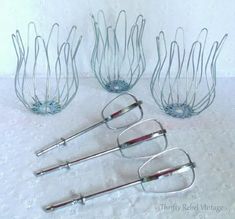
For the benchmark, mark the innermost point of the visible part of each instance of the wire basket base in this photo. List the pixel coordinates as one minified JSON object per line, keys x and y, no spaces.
{"x":117,"y":86}
{"x":47,"y":107}
{"x":179,"y":110}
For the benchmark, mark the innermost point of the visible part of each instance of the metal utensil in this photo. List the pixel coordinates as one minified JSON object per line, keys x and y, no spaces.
{"x":46,"y":79}
{"x":149,"y":175}
{"x":183,"y":83}
{"x":138,"y":133}
{"x":118,"y":59}
{"x":106,"y":119}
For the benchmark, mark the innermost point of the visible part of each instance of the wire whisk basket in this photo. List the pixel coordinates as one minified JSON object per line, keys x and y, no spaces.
{"x":118,"y":59}
{"x":183,"y":83}
{"x":46,"y":78}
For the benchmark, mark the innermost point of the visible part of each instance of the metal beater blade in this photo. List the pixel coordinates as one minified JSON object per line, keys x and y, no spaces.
{"x":183,"y":167}
{"x":156,"y":131}
{"x":105,"y":120}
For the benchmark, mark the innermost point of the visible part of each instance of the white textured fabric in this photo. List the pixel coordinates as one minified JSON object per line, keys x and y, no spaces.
{"x":209,"y":139}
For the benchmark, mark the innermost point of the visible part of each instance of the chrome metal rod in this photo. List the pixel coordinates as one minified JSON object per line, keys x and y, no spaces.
{"x":68,"y":164}
{"x":142,"y":179}
{"x":63,"y":141}
{"x":130,"y":143}
{"x":107,"y":191}
{"x":156,"y":176}
{"x":82,"y":199}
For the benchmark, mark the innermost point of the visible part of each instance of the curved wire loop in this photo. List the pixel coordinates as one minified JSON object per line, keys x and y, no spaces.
{"x":46,"y":78}
{"x":185,"y":165}
{"x":183,"y":84}
{"x":118,"y":59}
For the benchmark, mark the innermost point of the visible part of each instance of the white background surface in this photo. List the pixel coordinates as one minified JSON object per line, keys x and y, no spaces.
{"x":218,"y":16}
{"x":208,"y":138}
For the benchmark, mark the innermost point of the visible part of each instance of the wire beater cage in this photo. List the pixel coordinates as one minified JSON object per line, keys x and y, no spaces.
{"x":46,"y":78}
{"x":183,"y":83}
{"x":118,"y":59}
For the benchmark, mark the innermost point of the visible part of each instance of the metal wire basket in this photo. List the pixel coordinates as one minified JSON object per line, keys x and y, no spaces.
{"x":118,"y":59}
{"x":183,"y":83}
{"x":46,"y":78}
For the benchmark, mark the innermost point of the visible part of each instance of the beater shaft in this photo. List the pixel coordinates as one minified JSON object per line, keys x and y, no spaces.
{"x":63,"y":141}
